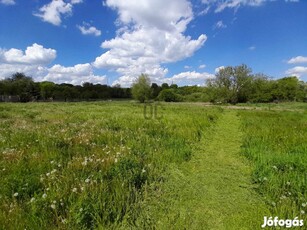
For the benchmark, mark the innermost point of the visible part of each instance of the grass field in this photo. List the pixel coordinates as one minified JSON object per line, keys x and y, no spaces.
{"x":105,"y":166}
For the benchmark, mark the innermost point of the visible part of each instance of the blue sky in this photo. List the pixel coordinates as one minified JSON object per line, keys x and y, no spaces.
{"x":173,"y":41}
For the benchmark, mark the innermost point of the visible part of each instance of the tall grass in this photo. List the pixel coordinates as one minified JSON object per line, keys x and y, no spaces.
{"x":275,"y":142}
{"x":87,"y":165}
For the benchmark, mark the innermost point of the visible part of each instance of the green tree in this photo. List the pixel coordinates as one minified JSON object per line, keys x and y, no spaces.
{"x":231,"y":84}
{"x":141,"y":90}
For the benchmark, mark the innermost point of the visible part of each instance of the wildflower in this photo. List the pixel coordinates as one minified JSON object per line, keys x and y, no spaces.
{"x":74,"y":190}
{"x":15,"y":194}
{"x":302,"y":212}
{"x":304,"y":205}
{"x":275,"y":167}
{"x":115,"y":160}
{"x":47,"y":174}
{"x":265,"y":179}
{"x":143,"y":170}
{"x":44,"y":195}
{"x":53,"y":206}
{"x":51,"y":162}
{"x":59,"y":165}
{"x":54,"y":201}
{"x":81,"y":209}
{"x":273,"y":204}
{"x":87,"y":180}
{"x":53,"y":171}
{"x":288,"y":183}
{"x":32,"y":200}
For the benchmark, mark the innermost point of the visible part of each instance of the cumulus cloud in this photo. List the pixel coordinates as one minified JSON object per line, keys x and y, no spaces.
{"x":297,"y":60}
{"x":53,"y":11}
{"x":75,"y":75}
{"x":87,"y":29}
{"x":148,"y":37}
{"x":220,"y":5}
{"x":8,"y":2}
{"x":298,"y":71}
{"x":191,"y":77}
{"x":34,"y":62}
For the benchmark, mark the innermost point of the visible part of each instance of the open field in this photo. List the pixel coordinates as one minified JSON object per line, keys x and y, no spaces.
{"x":105,"y":166}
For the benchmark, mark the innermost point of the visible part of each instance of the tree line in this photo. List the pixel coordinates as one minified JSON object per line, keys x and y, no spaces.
{"x":27,"y":90}
{"x":231,"y":85}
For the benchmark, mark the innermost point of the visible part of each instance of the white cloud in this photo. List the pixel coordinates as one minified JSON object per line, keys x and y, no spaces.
{"x":34,"y":62}
{"x":217,"y":70}
{"x":75,"y":75}
{"x":34,"y":55}
{"x":298,"y":71}
{"x":148,"y":37}
{"x":53,"y":11}
{"x":219,"y":25}
{"x":221,"y":5}
{"x":8,"y":2}
{"x":189,"y":78}
{"x":87,"y":29}
{"x":297,"y":60}
{"x":202,"y":66}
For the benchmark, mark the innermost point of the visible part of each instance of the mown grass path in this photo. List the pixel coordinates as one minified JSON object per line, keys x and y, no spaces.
{"x":213,"y":190}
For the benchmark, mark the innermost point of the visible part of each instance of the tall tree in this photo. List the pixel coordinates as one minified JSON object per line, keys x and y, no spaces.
{"x":141,"y":88}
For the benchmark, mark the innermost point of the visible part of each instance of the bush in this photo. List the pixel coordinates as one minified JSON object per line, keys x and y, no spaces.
{"x":169,"y":95}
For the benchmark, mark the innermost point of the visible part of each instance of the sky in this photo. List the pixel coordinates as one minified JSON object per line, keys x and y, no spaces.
{"x":183,"y":42}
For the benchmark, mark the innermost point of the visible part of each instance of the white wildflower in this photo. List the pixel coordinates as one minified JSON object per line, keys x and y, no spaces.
{"x":87,"y":180}
{"x":16,"y":194}
{"x":302,"y":212}
{"x":44,"y":195}
{"x":53,"y":206}
{"x":32,"y":200}
{"x":74,"y":190}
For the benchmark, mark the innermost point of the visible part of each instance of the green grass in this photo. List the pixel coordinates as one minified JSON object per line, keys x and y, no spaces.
{"x":275,"y":142}
{"x":103,"y":165}
{"x":213,"y":190}
{"x":87,"y":165}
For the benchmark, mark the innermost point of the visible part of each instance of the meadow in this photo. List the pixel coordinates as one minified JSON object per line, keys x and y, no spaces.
{"x":104,"y":165}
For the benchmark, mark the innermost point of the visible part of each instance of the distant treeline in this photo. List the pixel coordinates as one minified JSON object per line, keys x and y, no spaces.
{"x":230,"y":85}
{"x":21,"y":86}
